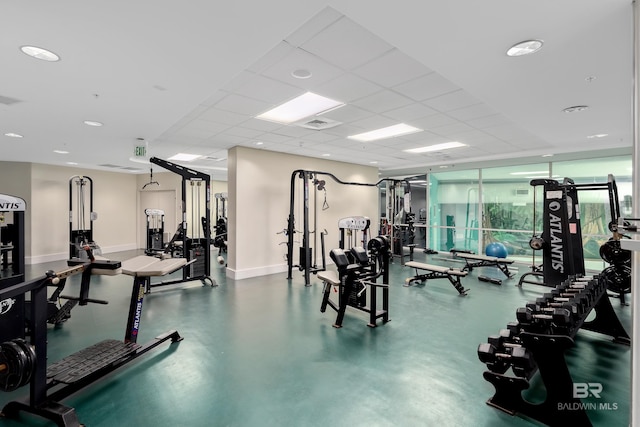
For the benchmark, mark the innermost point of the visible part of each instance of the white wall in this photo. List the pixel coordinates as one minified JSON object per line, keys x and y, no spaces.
{"x":259,"y":183}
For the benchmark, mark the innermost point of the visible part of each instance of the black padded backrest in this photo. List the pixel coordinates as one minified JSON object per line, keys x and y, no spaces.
{"x":339,"y":257}
{"x":360,"y":255}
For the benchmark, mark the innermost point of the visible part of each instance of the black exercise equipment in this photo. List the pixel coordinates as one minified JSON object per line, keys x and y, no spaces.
{"x":561,"y":240}
{"x":81,"y":224}
{"x":22,"y":363}
{"x":349,"y":228}
{"x":546,"y":328}
{"x":308,"y":176}
{"x":356,"y":271}
{"x":436,"y":272}
{"x":155,"y":231}
{"x":194,"y":246}
{"x":12,"y":211}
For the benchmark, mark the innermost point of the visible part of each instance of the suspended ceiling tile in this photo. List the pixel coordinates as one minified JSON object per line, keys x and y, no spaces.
{"x":242,"y":105}
{"x":374,"y":122}
{"x":243,"y":132}
{"x":426,"y":87}
{"x":276,"y":54}
{"x":452,"y":129}
{"x":410,"y":112}
{"x":489,"y":121}
{"x":224,"y":117}
{"x":392,"y":69}
{"x":382,"y":102}
{"x":321,"y":71}
{"x":293,"y":131}
{"x":348,"y":88}
{"x":313,"y":26}
{"x":319,"y":136}
{"x":433,"y":121}
{"x":471,"y":112}
{"x":451,"y":101}
{"x":346,"y":44}
{"x":273,"y":138}
{"x":261,"y":125}
{"x":268,"y":90}
{"x":347,"y":114}
{"x":344,"y":130}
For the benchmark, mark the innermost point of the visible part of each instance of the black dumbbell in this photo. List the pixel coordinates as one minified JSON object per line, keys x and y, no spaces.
{"x":518,"y":357}
{"x":542,"y":304}
{"x":559,"y":316}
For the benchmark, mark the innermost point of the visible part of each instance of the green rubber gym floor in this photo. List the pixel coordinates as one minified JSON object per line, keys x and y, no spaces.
{"x":258,"y":352}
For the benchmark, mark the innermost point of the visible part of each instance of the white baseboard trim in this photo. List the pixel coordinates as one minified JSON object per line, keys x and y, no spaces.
{"x":255,"y":272}
{"x":38,"y":259}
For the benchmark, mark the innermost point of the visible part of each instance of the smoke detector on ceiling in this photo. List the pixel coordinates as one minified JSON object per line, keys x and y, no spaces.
{"x":319,"y":124}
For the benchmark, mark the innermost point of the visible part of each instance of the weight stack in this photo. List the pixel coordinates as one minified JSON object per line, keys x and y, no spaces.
{"x":197,"y":268}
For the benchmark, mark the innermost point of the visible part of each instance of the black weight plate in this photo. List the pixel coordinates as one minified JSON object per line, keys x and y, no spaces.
{"x":11,"y":376}
{"x":618,"y":278}
{"x":30,"y":360}
{"x":612,"y":253}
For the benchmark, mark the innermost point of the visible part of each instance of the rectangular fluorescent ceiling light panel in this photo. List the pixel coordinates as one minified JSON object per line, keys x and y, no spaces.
{"x":305,"y":105}
{"x":437,"y":147}
{"x":183,"y":157}
{"x":388,"y":132}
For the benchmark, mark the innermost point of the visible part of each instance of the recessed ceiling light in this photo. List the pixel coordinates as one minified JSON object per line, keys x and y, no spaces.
{"x":298,"y":108}
{"x":301,"y":73}
{"x":575,"y":108}
{"x":326,"y":155}
{"x":525,"y":48}
{"x":387,"y":132}
{"x":60,"y":152}
{"x":547,"y":155}
{"x":183,"y":157}
{"x":259,"y":143}
{"x":598,"y":135}
{"x":443,"y":166}
{"x":13,"y":135}
{"x":71,"y":163}
{"x":92,"y":123}
{"x":40,"y":53}
{"x":373,"y":163}
{"x":437,"y":147}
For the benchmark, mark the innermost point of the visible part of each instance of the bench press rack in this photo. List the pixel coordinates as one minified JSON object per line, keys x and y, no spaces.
{"x":49,"y":385}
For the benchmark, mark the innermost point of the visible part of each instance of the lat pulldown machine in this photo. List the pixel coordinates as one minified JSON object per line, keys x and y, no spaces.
{"x":196,"y":248}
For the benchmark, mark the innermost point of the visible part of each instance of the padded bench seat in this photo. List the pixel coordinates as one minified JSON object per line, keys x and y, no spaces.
{"x":484,"y":258}
{"x":436,"y":268}
{"x":329,"y":276}
{"x":148,"y":266}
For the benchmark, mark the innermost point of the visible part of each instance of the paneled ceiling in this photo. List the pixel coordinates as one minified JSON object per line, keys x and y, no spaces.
{"x":190,"y":77}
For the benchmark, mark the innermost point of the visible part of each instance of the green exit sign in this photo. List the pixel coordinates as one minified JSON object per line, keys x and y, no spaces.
{"x":140,"y":151}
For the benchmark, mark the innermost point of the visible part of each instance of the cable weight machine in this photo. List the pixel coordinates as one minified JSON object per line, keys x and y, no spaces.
{"x":195,"y":243}
{"x":81,"y":230}
{"x":313,"y":177}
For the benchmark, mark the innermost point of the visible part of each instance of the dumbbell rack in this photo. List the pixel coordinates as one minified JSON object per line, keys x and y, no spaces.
{"x":49,"y":385}
{"x":545,"y":338}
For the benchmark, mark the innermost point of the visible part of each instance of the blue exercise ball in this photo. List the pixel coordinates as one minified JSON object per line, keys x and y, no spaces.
{"x":496,"y":249}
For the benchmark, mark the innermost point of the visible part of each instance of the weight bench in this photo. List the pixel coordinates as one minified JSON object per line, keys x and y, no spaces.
{"x":144,"y":267}
{"x":474,"y":260}
{"x":437,"y":272}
